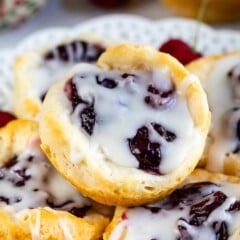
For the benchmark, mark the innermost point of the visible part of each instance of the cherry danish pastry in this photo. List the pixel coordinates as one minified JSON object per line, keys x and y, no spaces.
{"x":129,"y":130}
{"x":36,"y":202}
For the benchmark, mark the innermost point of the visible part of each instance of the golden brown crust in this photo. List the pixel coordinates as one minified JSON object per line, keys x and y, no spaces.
{"x":43,"y":223}
{"x":12,"y":139}
{"x":105,"y":181}
{"x":197,"y":175}
{"x":25,"y":105}
{"x":145,"y":58}
{"x":48,"y":224}
{"x":202,"y":68}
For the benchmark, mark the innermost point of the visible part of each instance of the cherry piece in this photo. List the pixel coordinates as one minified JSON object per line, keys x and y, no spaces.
{"x":88,"y":118}
{"x":153,"y":209}
{"x":200,"y":211}
{"x":4,"y":199}
{"x":146,"y":152}
{"x":6,"y":117}
{"x":180,"y":50}
{"x":106,"y":82}
{"x":187,"y":194}
{"x":158,"y":98}
{"x":233,"y":76}
{"x":17,"y":177}
{"x":75,"y":51}
{"x":235,"y":206}
{"x":169,"y":136}
{"x":42,"y":97}
{"x":221,"y":230}
{"x":80,"y":212}
{"x":87,"y":115}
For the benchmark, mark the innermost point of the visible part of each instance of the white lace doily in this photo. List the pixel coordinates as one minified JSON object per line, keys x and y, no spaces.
{"x":132,"y":28}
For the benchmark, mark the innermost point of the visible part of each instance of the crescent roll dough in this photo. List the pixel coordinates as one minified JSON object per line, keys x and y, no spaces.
{"x":205,"y":206}
{"x":36,"y":70}
{"x":129,"y":130}
{"x":35,"y":201}
{"x":220,"y":76}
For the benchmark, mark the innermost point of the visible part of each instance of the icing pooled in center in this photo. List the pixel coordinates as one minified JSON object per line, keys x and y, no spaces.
{"x":137,"y":119}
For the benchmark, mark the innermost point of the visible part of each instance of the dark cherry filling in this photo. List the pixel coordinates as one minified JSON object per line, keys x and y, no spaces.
{"x":237,"y":136}
{"x":221,"y":230}
{"x":6,"y":117}
{"x":145,"y":150}
{"x":87,"y":115}
{"x":235,"y":206}
{"x":200,"y":211}
{"x":80,"y":212}
{"x":75,"y":51}
{"x":77,"y":211}
{"x":231,"y":126}
{"x":202,"y":198}
{"x":126,"y":75}
{"x":169,"y":136}
{"x":158,"y":98}
{"x":148,"y":153}
{"x":152,"y":209}
{"x":187,"y":195}
{"x":237,"y":148}
{"x":10,"y":201}
{"x":106,"y":82}
{"x":42,"y":97}
{"x":14,"y":172}
{"x":71,"y":91}
{"x":17,"y":177}
{"x":238,"y":130}
{"x":88,"y":118}
{"x":232,"y":117}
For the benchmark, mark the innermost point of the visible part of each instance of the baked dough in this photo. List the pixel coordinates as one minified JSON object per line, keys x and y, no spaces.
{"x":35,"y":201}
{"x":128,"y":131}
{"x":38,"y":69}
{"x":220,"y":76}
{"x":205,"y":206}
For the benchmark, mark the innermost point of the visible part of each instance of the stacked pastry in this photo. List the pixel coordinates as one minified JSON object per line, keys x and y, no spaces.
{"x":36,"y":201}
{"x":121,"y":126}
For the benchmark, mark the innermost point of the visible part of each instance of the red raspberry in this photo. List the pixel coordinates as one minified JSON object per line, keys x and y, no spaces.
{"x":180,"y":50}
{"x":5,"y":117}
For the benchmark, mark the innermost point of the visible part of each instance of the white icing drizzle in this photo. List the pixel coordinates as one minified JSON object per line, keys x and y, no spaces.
{"x":65,"y":229}
{"x":35,"y":228}
{"x":46,"y":72}
{"x":121,"y":111}
{"x":221,"y":100}
{"x":44,"y":183}
{"x":142,"y":224}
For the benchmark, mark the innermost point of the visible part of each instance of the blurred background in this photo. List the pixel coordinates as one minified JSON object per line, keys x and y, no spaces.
{"x":16,"y":20}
